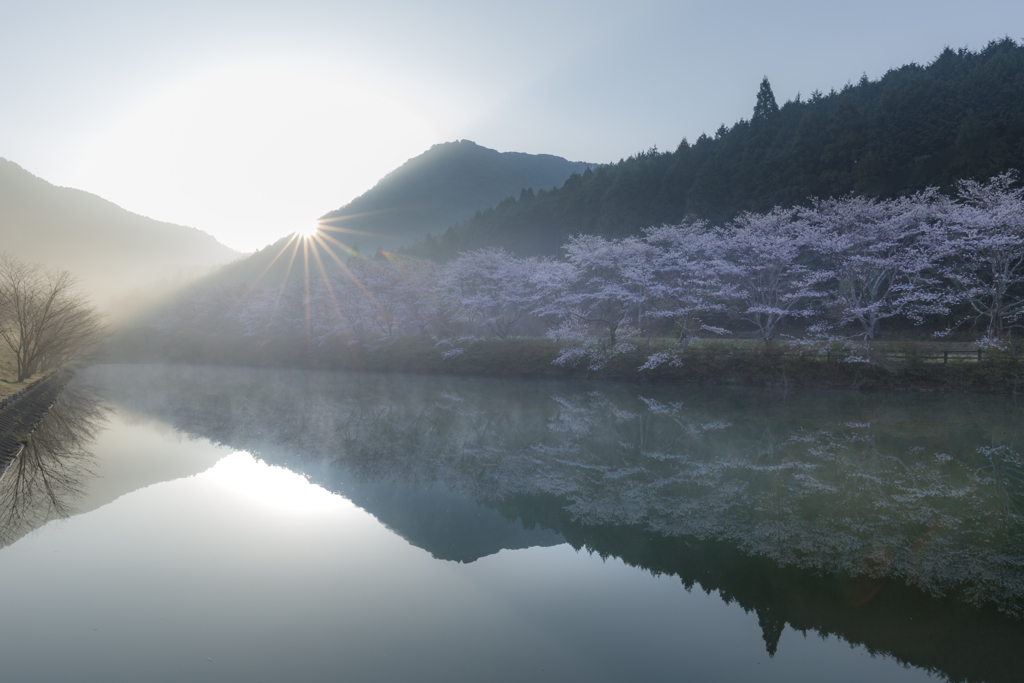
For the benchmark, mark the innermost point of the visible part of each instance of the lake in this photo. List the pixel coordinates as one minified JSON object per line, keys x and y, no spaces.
{"x":221,"y":524}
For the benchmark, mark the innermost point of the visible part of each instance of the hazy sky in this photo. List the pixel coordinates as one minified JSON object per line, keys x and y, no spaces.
{"x":250,"y":119}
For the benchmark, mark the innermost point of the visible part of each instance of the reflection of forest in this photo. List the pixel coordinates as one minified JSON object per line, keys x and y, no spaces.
{"x":43,"y":482}
{"x":890,"y":521}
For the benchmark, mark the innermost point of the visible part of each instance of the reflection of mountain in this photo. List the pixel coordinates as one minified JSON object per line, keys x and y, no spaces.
{"x":890,"y":522}
{"x":44,"y":481}
{"x":111,"y":249}
{"x":942,"y":635}
{"x":430,"y":516}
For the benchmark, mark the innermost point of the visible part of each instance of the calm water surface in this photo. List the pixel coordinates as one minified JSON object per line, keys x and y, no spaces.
{"x":239,"y":525}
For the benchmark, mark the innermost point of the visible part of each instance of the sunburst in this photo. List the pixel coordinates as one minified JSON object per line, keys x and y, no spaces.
{"x":309,"y":230}
{"x":310,"y":242}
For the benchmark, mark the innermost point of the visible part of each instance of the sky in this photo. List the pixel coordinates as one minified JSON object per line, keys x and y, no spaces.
{"x":251,"y":119}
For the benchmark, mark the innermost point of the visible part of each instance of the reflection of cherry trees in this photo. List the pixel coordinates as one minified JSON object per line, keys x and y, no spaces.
{"x":894,"y":490}
{"x":838,"y":268}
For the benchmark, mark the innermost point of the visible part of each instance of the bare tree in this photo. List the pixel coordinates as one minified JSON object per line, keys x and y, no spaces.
{"x":44,"y":320}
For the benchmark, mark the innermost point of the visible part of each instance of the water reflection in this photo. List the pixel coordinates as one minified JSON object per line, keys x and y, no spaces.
{"x":890,"y":521}
{"x":46,"y":479}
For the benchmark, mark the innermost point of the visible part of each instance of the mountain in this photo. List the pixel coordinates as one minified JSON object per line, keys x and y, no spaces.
{"x":961,"y":116}
{"x":111,"y":250}
{"x":288,"y":259}
{"x":448,"y":183}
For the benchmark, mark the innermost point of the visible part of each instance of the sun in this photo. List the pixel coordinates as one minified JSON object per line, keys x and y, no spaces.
{"x":309,"y":230}
{"x":254,"y":147}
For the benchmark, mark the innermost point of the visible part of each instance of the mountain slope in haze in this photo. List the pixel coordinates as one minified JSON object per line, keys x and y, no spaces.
{"x":111,"y":250}
{"x":961,"y":116}
{"x":289,"y":258}
{"x":447,"y":184}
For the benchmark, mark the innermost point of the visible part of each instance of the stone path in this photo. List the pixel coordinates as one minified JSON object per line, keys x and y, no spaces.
{"x":23,"y":410}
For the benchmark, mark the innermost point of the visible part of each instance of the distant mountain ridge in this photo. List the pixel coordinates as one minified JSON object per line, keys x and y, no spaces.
{"x":447,"y":184}
{"x":110,"y":249}
{"x":961,"y":116}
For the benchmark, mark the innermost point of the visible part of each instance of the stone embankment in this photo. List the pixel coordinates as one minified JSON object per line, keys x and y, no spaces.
{"x":22,"y":411}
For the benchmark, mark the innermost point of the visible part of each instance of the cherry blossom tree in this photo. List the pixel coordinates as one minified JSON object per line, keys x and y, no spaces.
{"x":984,"y":249}
{"x":613,"y":284}
{"x":550,"y":282}
{"x":381,"y":283}
{"x":257,"y":312}
{"x":765,"y":280}
{"x":209,"y":311}
{"x":357,"y":308}
{"x":292,"y":311}
{"x":876,"y":259}
{"x":686,"y":264}
{"x":491,"y":288}
{"x":851,"y":262}
{"x":405,"y":293}
{"x":422,"y":307}
{"x":602,"y":298}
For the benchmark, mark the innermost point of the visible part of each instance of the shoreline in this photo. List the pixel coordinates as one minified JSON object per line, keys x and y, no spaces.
{"x":947,"y":367}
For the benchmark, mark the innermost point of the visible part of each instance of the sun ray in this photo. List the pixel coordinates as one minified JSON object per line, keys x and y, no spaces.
{"x":330,"y":223}
{"x":363,"y":214}
{"x":390,"y":258}
{"x":288,"y":270}
{"x":305,"y":268}
{"x":350,"y":231}
{"x":326,"y":279}
{"x":341,"y":263}
{"x":350,"y":250}
{"x":271,"y":264}
{"x":284,"y":282}
{"x":348,"y":271}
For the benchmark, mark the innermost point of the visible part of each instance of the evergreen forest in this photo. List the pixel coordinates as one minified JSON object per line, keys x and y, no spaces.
{"x":918,"y":126}
{"x":444,"y":185}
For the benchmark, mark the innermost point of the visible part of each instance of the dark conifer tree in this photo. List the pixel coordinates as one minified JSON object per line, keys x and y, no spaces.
{"x":766,"y":106}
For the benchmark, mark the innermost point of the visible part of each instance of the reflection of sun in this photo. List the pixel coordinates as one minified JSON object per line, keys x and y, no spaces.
{"x":272,"y":486}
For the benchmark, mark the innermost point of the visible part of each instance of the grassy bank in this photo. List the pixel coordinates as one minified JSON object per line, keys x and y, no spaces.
{"x":894,"y":366}
{"x":9,"y":372}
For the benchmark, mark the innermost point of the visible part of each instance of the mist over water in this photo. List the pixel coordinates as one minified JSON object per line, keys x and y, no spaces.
{"x":399,"y":526}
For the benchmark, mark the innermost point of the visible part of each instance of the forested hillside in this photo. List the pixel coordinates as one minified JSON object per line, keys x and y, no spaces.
{"x":961,"y":116}
{"x":111,"y":250}
{"x":446,"y":184}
